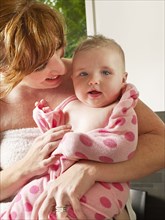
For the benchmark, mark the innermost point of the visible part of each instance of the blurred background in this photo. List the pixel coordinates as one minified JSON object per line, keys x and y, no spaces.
{"x":75,"y":18}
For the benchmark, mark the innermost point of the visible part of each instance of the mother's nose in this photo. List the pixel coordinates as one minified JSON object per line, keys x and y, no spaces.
{"x":59,"y":67}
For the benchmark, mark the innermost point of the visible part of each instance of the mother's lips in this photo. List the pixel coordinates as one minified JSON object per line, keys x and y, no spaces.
{"x":52,"y":78}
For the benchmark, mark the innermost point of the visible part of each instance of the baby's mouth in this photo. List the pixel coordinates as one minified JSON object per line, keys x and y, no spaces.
{"x":93,"y":92}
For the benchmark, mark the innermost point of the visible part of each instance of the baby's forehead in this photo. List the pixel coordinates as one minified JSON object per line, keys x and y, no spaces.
{"x":90,"y":49}
{"x":100,"y":51}
{"x":98,"y":57}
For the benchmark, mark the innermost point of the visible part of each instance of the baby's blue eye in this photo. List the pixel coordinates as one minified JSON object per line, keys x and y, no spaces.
{"x":105,"y":72}
{"x":83,"y":74}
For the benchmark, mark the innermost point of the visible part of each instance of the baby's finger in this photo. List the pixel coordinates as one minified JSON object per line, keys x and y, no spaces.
{"x":46,"y":109}
{"x":36,"y":104}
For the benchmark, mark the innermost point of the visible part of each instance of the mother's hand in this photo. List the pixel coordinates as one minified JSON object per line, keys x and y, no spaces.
{"x":38,"y":159}
{"x":67,"y":189}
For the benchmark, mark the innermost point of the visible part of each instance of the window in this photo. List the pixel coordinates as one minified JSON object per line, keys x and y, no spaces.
{"x":74,"y":14}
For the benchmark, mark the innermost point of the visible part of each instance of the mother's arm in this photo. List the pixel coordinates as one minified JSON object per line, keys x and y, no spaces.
{"x":151,"y":141}
{"x":149,"y":156}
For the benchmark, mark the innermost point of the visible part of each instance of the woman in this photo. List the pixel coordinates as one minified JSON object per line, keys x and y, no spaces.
{"x":32,"y":64}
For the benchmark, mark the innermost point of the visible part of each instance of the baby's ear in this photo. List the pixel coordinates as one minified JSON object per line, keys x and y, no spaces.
{"x":125,"y":74}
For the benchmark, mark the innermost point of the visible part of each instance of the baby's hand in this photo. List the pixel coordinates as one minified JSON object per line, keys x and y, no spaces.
{"x":45,"y":117}
{"x":43,"y":105}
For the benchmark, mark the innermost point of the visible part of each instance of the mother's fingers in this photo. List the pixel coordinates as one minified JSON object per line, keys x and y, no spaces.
{"x":50,"y":139}
{"x":61,"y":212}
{"x":77,"y":208}
{"x":47,"y":207}
{"x":66,"y":204}
{"x":38,"y":208}
{"x":60,"y":128}
{"x":56,"y":133}
{"x":62,"y":204}
{"x":51,"y":146}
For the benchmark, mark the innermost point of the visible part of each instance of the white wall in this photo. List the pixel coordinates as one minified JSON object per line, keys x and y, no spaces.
{"x":138,"y":26}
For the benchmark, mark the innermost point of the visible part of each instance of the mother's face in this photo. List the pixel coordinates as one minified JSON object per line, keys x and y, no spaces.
{"x":49,"y":74}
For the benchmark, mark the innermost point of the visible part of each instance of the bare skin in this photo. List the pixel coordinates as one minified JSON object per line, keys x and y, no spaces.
{"x":22,"y":99}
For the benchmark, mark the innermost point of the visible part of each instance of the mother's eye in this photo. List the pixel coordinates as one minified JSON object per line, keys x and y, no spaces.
{"x":41,"y":67}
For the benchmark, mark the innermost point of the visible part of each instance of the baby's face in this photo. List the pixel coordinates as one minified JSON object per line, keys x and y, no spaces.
{"x":98,"y":76}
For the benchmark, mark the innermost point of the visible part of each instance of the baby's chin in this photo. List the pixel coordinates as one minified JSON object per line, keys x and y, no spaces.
{"x":95,"y":105}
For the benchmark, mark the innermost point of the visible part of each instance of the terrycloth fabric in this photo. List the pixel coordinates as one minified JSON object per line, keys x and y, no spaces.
{"x":116,"y":142}
{"x":14,"y":144}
